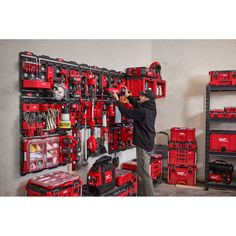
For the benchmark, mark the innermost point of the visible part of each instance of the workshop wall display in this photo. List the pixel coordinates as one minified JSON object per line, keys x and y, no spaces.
{"x":68,"y":114}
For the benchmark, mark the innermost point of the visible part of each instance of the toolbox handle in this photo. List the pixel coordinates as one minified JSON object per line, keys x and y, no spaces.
{"x":103,"y":159}
{"x":162,"y":132}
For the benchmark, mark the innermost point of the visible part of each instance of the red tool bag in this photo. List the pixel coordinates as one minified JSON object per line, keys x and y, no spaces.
{"x":222,"y":141}
{"x":220,"y":171}
{"x":57,"y":183}
{"x":101,"y":177}
{"x":182,"y":175}
{"x":182,"y":134}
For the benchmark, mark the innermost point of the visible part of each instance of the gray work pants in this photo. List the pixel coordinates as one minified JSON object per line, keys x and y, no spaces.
{"x":145,"y":184}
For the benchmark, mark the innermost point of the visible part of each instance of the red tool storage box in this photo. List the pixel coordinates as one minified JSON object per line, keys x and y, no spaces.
{"x":230,"y":109}
{"x":179,"y":134}
{"x":123,"y":177}
{"x":182,"y":175}
{"x":58,"y":183}
{"x":182,"y":157}
{"x":222,"y":141}
{"x":141,"y":71}
{"x":177,"y":145}
{"x":139,"y":84}
{"x":40,"y":154}
{"x":222,"y":78}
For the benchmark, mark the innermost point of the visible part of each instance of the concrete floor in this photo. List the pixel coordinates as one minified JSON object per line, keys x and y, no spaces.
{"x":164,"y":189}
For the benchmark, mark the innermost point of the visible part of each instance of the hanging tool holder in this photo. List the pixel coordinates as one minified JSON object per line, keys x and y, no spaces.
{"x":68,"y":114}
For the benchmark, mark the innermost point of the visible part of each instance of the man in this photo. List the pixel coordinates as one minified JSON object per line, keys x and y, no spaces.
{"x":144,"y":115}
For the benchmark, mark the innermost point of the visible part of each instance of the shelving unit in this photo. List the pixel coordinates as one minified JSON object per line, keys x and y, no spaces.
{"x":209,"y":121}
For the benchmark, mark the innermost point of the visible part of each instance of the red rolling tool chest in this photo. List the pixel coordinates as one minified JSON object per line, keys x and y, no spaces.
{"x":182,"y":157}
{"x":155,"y":165}
{"x":58,"y":183}
{"x":179,"y":174}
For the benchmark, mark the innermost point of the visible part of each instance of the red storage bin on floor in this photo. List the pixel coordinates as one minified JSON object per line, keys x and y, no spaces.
{"x":182,"y":175}
{"x":223,"y":142}
{"x":179,"y":134}
{"x":58,"y":183}
{"x":182,"y":157}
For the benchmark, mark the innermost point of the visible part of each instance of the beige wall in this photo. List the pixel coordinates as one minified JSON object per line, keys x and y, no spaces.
{"x":185,"y":66}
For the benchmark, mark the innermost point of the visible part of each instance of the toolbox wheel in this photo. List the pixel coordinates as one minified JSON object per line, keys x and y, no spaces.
{"x":116,"y":161}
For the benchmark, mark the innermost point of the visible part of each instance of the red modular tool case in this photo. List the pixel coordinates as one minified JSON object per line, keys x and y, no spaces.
{"x":177,"y":145}
{"x":123,"y":177}
{"x":139,"y":84}
{"x":182,"y":157}
{"x":141,"y":71}
{"x":179,"y":134}
{"x":182,"y":175}
{"x":40,"y":154}
{"x":223,"y":141}
{"x":222,"y":78}
{"x":230,"y":109}
{"x":58,"y":183}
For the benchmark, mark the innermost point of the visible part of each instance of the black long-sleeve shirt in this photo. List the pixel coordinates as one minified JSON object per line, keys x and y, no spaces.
{"x":144,"y":115}
{"x":133,"y":113}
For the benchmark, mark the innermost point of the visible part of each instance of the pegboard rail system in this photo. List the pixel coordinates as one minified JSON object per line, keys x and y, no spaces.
{"x":68,"y":114}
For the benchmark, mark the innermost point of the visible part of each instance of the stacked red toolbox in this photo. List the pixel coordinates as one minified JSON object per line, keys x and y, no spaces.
{"x":182,"y":156}
{"x":58,"y":183}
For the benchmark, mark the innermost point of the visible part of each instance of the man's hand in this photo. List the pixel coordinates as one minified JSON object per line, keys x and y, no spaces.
{"x":126,"y":92}
{"x":115,"y":96}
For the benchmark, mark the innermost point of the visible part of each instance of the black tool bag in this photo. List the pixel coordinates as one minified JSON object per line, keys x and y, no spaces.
{"x":101,"y":176}
{"x":221,"y":167}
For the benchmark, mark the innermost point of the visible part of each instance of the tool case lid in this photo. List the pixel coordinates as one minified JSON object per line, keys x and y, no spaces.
{"x":122,"y":172}
{"x":54,"y":180}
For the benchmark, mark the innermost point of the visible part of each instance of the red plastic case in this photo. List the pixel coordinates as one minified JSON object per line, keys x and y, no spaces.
{"x":177,"y":145}
{"x":123,"y":176}
{"x":179,"y":134}
{"x":185,"y":175}
{"x":58,"y":183}
{"x":155,"y":166}
{"x":182,"y":157}
{"x":222,"y":78}
{"x":140,"y":71}
{"x":222,"y":142}
{"x":40,"y":154}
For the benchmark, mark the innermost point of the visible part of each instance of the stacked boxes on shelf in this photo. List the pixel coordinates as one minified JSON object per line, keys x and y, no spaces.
{"x":182,"y":156}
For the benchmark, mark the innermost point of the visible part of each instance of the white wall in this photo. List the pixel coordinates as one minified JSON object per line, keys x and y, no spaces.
{"x":185,"y":66}
{"x":112,"y":54}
